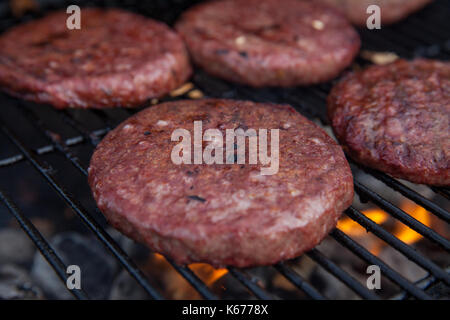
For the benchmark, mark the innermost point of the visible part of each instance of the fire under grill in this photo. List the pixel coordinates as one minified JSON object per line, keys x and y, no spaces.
{"x":45,"y":153}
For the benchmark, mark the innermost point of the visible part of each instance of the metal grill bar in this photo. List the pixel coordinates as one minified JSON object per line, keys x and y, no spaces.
{"x":255,"y":96}
{"x":351,"y":282}
{"x":46,"y":250}
{"x":250,"y":283}
{"x":321,"y":93}
{"x":109,"y":243}
{"x":184,"y":271}
{"x":398,"y":245}
{"x":411,"y":194}
{"x":320,"y":98}
{"x":49,"y":148}
{"x":298,"y":281}
{"x":55,"y":141}
{"x":383,"y":203}
{"x":37,"y":122}
{"x":15,"y":159}
{"x":402,"y":216}
{"x":190,"y":276}
{"x":306,"y":100}
{"x":442,"y":191}
{"x":360,"y":251}
{"x":93,"y":139}
{"x":237,"y":92}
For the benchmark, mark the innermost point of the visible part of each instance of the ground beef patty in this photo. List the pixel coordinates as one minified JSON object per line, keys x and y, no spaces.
{"x":116,"y":59}
{"x":269,"y":42}
{"x":391,"y":10}
{"x":396,"y":118}
{"x":223,"y":214}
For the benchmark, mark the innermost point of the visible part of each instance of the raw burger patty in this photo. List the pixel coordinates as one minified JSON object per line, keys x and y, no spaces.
{"x":396,"y":118}
{"x":269,"y":42}
{"x":226,"y":214}
{"x":116,"y":59}
{"x":391,"y":10}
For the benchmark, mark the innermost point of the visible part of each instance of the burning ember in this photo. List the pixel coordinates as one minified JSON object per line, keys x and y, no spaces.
{"x":207,"y":273}
{"x":204,"y":271}
{"x":401,"y":231}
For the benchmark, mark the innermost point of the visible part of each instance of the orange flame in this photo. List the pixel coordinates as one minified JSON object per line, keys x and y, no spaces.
{"x":158,"y":256}
{"x":401,"y":231}
{"x":207,"y":273}
{"x":203,"y":270}
{"x":406,"y":234}
{"x":353,"y":228}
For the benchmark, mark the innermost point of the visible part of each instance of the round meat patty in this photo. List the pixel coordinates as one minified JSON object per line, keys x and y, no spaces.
{"x":391,"y":10}
{"x":116,"y":59}
{"x":223,"y":214}
{"x":396,"y":118}
{"x":269,"y":42}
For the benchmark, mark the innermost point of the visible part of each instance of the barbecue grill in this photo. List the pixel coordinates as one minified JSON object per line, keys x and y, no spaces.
{"x":54,"y":147}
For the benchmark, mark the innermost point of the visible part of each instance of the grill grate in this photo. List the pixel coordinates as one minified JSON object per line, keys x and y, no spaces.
{"x":425,"y":34}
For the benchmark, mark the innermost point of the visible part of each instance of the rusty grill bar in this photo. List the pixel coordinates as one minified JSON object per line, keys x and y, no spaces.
{"x":424,"y":34}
